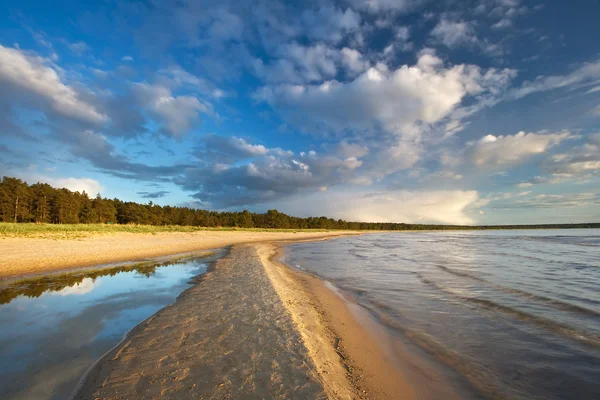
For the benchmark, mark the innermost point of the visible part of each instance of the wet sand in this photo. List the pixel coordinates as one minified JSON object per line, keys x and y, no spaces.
{"x":253,"y":328}
{"x":26,"y":256}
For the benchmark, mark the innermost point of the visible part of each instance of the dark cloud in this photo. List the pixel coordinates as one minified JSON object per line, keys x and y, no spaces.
{"x":232,"y":172}
{"x":153,"y":195}
{"x":226,"y":150}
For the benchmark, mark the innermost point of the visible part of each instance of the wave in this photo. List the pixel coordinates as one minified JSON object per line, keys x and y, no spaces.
{"x":477,"y":376}
{"x":557,"y":304}
{"x":588,"y":241}
{"x":553,"y":326}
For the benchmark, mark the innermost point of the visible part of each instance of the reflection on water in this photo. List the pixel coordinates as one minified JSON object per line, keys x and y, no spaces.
{"x":516,"y":313}
{"x":52,"y":328}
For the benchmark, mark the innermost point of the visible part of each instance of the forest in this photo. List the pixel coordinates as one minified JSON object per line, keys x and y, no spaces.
{"x":42,"y":203}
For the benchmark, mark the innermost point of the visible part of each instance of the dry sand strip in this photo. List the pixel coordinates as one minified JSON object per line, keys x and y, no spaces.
{"x":25,"y":256}
{"x":250,"y":330}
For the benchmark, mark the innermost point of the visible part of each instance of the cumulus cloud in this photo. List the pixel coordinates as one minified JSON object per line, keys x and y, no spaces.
{"x":35,"y":80}
{"x":301,"y":64}
{"x":176,"y":114}
{"x":87,"y":285}
{"x":330,"y":23}
{"x":577,"y":162}
{"x":511,"y":149}
{"x":90,"y":186}
{"x":445,"y":207}
{"x":396,"y":100}
{"x":397,"y":106}
{"x":353,"y":61}
{"x":227,"y":149}
{"x":454,"y":33}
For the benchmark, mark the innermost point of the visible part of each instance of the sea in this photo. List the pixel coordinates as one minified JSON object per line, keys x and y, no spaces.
{"x":509,"y":314}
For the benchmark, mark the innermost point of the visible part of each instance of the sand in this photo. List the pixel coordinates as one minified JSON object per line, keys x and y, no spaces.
{"x":26,"y":256}
{"x":252,"y":329}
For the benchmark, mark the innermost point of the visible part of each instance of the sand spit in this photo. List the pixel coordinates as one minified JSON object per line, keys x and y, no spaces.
{"x":25,"y":256}
{"x":227,"y":337}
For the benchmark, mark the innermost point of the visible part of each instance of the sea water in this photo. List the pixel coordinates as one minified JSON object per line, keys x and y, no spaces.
{"x":515,"y":314}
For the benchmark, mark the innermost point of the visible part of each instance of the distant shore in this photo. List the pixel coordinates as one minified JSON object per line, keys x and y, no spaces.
{"x":63,"y":250}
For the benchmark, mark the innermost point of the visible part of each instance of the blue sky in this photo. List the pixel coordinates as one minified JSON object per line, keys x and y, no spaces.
{"x":474,"y":112}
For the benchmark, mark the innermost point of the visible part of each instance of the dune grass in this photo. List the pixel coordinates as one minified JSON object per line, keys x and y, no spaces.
{"x":8,"y":229}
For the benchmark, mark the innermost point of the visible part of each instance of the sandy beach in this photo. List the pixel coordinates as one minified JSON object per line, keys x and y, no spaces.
{"x":252,"y":328}
{"x":32,"y":255}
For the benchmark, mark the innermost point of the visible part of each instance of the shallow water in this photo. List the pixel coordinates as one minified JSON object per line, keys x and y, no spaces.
{"x":53,"y":328}
{"x":515,"y":313}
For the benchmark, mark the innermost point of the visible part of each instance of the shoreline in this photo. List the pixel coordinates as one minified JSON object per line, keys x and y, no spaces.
{"x":312,"y":343}
{"x":24,"y":257}
{"x":381,"y":365}
{"x":348,"y":353}
{"x":336,"y":333}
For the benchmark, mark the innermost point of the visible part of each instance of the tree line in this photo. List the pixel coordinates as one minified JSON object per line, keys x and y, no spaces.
{"x":42,"y":203}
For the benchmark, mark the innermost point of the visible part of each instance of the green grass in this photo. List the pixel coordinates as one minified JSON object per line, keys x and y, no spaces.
{"x":69,"y":231}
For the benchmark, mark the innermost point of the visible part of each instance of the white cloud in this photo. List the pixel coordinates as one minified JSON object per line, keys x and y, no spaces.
{"x":90,"y":186}
{"x":579,"y":161}
{"x":87,"y":285}
{"x":454,"y":33}
{"x":523,"y":185}
{"x":329,"y":23}
{"x":225,"y":25}
{"x":396,"y":106}
{"x":353,"y":61}
{"x":296,"y":63}
{"x":503,"y":23}
{"x":588,"y":73}
{"x":511,"y":149}
{"x":176,"y":77}
{"x":593,"y":90}
{"x":78,"y":47}
{"x":426,"y":92}
{"x":445,"y":207}
{"x":176,"y":114}
{"x":558,"y":200}
{"x":34,"y":75}
{"x":380,"y":6}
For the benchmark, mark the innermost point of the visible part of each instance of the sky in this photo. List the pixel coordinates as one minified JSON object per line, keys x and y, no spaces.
{"x":453,"y":112}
